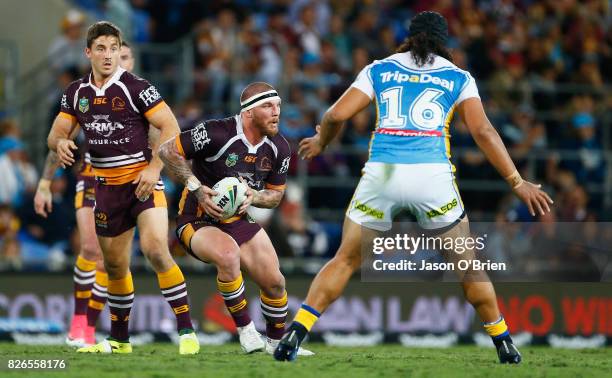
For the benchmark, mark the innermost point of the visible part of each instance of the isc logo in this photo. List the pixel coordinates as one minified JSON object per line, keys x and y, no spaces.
{"x":100,"y":100}
{"x":250,"y":158}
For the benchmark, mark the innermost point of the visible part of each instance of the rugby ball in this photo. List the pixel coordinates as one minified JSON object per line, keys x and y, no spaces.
{"x":231,"y":194}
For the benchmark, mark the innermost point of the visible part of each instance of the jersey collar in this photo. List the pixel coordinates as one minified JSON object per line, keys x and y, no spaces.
{"x":111,"y":81}
{"x":240,"y":133}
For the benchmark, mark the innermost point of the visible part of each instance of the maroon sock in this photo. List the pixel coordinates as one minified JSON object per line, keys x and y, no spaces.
{"x":275,"y":313}
{"x":235,"y":300}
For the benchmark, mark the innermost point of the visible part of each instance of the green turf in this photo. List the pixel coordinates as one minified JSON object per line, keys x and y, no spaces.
{"x":162,"y":360}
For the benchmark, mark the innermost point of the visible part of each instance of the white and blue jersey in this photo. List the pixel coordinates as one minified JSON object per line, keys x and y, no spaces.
{"x":409,"y":167}
{"x":414,"y":107}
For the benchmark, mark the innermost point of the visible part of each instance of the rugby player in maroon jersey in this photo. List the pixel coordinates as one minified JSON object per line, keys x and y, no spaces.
{"x":90,"y":278}
{"x":247,"y":146}
{"x":114,"y":108}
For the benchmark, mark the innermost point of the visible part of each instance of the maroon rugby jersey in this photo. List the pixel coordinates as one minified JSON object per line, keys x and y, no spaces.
{"x":219,"y":148}
{"x":113,"y":120}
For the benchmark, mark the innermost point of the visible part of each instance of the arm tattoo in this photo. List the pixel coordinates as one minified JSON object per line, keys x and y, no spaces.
{"x":174,"y":161}
{"x":200,"y":195}
{"x":51,"y":165}
{"x":267,"y":198}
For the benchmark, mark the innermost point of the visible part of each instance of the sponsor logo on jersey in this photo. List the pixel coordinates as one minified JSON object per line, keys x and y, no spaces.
{"x":443,"y":210}
{"x":149,"y":95}
{"x":423,"y":78}
{"x":118,"y":104}
{"x":284,"y":165}
{"x":416,"y":133}
{"x":102,"y":125}
{"x":100,"y":100}
{"x":64,"y":103}
{"x":250,"y":158}
{"x":83,"y":105}
{"x":100,"y":142}
{"x":249,"y":177}
{"x":231,"y":160}
{"x":199,"y":137}
{"x":378,"y":214}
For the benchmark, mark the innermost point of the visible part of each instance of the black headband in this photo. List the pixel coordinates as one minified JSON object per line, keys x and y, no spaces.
{"x":253,"y":100}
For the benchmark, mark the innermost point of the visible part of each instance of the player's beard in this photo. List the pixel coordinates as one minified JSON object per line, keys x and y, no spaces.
{"x":267,"y":128}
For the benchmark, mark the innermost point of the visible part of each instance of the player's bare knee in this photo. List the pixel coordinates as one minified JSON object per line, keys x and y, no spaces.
{"x":228,"y":259}
{"x":152,"y":244}
{"x":275,"y":287}
{"x":160,"y":261}
{"x":100,"y":265}
{"x":90,"y":250}
{"x":116,"y":269}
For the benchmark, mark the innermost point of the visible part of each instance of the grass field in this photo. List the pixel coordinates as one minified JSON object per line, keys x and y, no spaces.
{"x":162,"y":360}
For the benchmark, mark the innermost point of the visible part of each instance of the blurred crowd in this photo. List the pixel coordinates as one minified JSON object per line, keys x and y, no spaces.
{"x":543,"y":68}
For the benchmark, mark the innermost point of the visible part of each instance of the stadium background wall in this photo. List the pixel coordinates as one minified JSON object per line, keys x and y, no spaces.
{"x":559,"y":314}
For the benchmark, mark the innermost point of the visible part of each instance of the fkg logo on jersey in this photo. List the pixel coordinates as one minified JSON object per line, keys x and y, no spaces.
{"x":413,"y":78}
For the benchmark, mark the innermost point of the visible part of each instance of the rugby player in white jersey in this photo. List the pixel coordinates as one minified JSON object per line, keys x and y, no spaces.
{"x":416,"y":92}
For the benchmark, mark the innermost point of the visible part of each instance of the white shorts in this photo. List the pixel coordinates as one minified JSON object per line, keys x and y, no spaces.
{"x":428,"y":191}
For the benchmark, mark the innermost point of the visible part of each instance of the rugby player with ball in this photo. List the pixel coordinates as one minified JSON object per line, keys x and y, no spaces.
{"x":245,"y":161}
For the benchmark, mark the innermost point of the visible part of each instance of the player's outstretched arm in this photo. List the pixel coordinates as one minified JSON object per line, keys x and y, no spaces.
{"x":60,"y":139}
{"x":350,"y":103}
{"x":176,"y":163}
{"x":489,"y":141}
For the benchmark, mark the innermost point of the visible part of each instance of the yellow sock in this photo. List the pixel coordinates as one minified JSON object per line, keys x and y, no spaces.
{"x":307,"y":316}
{"x":101,"y":278}
{"x":123,"y":286}
{"x":496,"y":328}
{"x":171,"y":277}
{"x":84,"y":264}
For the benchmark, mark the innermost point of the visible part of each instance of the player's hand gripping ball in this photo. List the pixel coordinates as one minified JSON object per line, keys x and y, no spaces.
{"x":232,"y":192}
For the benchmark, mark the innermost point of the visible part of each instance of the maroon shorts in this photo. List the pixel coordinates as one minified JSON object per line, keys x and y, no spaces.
{"x":241,"y":230}
{"x":85,"y":194}
{"x":117,"y":207}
